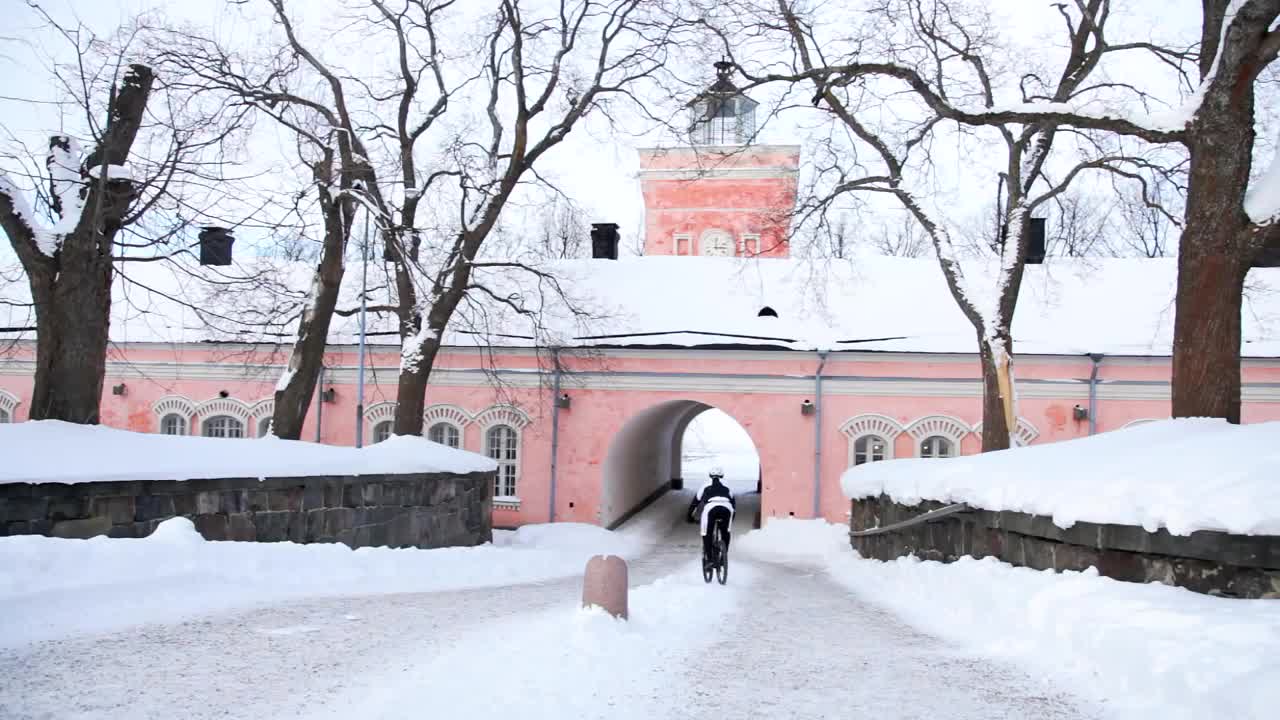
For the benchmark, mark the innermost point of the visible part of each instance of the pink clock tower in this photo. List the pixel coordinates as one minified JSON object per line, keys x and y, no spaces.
{"x":721,"y":194}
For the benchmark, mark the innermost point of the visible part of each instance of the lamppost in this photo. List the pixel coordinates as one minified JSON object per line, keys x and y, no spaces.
{"x":364,"y":289}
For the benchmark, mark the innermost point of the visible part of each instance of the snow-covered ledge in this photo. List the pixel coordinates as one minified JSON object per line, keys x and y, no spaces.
{"x":1185,"y":502}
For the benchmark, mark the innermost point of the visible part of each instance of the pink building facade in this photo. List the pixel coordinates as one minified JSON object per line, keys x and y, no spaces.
{"x":588,"y":437}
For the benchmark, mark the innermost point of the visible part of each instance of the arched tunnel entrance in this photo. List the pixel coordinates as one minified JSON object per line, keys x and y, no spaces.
{"x":673,"y":445}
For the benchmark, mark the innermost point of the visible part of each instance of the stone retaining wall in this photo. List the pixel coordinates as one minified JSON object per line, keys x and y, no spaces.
{"x":1216,"y":563}
{"x":410,"y":510}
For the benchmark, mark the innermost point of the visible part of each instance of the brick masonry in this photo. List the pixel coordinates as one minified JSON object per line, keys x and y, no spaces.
{"x":410,"y":510}
{"x":1244,"y":566}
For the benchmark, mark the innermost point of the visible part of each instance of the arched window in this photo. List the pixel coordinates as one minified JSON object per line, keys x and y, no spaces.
{"x":223,"y":426}
{"x":173,"y":424}
{"x":936,"y":446}
{"x":8,"y":406}
{"x":502,"y":443}
{"x":382,"y":430}
{"x":445,"y":434}
{"x":869,"y":448}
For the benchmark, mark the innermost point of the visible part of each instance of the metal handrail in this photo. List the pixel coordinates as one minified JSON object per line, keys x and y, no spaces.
{"x":917,"y":520}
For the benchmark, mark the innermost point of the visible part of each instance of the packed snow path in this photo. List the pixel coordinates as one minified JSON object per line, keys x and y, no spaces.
{"x":787,"y":642}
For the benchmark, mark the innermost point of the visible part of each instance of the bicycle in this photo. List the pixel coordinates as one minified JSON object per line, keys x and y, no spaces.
{"x":718,"y":564}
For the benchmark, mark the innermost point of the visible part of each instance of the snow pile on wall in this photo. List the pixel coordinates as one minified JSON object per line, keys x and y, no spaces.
{"x":54,"y":451}
{"x":52,"y":587}
{"x":1183,"y":475}
{"x":1141,"y":650}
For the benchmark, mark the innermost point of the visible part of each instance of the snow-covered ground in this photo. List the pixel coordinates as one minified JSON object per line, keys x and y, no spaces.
{"x":1183,"y":475}
{"x":52,"y":588}
{"x":1138,"y":651}
{"x":103,"y":453}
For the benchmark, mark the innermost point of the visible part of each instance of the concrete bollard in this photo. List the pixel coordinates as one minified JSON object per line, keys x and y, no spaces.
{"x":605,"y":584}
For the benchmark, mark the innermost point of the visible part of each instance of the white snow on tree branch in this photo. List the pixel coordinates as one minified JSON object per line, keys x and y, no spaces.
{"x":114,"y":172}
{"x":21,"y":207}
{"x":1262,"y":201}
{"x":69,"y":189}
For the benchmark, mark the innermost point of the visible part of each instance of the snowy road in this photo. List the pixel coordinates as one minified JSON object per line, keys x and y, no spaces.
{"x":781,"y":640}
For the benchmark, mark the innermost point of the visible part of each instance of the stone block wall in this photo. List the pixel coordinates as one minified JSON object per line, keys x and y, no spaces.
{"x":410,"y":510}
{"x":1244,"y":566}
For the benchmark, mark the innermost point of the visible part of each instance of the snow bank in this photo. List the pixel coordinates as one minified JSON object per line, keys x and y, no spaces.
{"x":54,"y":451}
{"x":1141,"y":650}
{"x":572,"y":537}
{"x":1183,"y":475}
{"x":51,"y":587}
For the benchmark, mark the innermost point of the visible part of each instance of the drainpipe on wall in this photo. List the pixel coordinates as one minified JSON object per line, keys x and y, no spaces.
{"x":320,"y":403}
{"x":817,"y":435}
{"x":1093,"y":392}
{"x":555,"y":432}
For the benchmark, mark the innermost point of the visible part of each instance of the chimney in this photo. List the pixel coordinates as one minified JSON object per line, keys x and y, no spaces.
{"x":1035,"y":244}
{"x":604,"y":241}
{"x":215,"y":246}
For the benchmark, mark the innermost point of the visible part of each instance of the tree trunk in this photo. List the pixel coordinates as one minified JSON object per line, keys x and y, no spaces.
{"x":298,"y":386}
{"x":998,"y":420}
{"x":71,"y":338}
{"x":411,"y":393}
{"x":1217,"y":244}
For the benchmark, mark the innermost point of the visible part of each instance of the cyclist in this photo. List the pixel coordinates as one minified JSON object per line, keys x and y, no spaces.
{"x":718,"y":505}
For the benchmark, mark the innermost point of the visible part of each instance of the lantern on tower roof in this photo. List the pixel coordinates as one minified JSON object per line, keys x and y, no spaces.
{"x":722,"y":114}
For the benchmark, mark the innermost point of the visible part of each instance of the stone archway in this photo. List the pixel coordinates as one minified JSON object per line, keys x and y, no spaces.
{"x":645,"y":457}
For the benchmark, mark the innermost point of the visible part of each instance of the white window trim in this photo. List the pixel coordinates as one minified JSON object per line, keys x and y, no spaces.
{"x":461,"y":429}
{"x":186,"y":424}
{"x":263,"y":409}
{"x":173,"y":405}
{"x":506,"y":503}
{"x":688,"y":244}
{"x":860,"y":426}
{"x":517,"y":420}
{"x":376,"y":413}
{"x":743,"y":248}
{"x":946,"y":426}
{"x":373,"y":431}
{"x":226,"y":406}
{"x":245,"y":427}
{"x":9,"y":403}
{"x":1023,"y":435}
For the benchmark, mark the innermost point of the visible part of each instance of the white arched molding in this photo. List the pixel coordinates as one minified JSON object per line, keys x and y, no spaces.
{"x":446,"y":413}
{"x":264,"y":409}
{"x":503,"y":415}
{"x":871,"y":424}
{"x":9,"y":404}
{"x":1023,"y":435}
{"x":944,"y":425}
{"x":174,"y":405}
{"x":230,"y":407}
{"x":376,"y":414}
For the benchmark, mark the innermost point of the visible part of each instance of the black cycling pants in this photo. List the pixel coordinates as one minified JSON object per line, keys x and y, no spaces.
{"x":716,"y":517}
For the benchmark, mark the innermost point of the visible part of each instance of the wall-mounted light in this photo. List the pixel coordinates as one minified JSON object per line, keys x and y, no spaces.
{"x":224,"y":394}
{"x":563,"y":401}
{"x":807,"y":407}
{"x":1080,"y":412}
{"x":328,"y":395}
{"x":118,"y":389}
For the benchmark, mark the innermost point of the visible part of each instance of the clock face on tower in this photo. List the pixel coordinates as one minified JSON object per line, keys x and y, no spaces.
{"x":717,"y":243}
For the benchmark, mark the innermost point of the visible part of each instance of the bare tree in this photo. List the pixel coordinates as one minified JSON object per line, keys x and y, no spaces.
{"x":1227,"y":223}
{"x":561,"y":229}
{"x":904,"y":239}
{"x":116,"y":196}
{"x":946,"y":50}
{"x":432,"y":146}
{"x":1144,"y":230}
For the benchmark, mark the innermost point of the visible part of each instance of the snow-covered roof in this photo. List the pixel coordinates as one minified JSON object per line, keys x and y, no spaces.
{"x":1183,"y":475}
{"x":1109,"y":306}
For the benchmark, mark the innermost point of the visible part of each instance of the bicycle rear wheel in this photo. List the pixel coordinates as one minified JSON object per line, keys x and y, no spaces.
{"x":708,"y":568}
{"x":722,"y":568}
